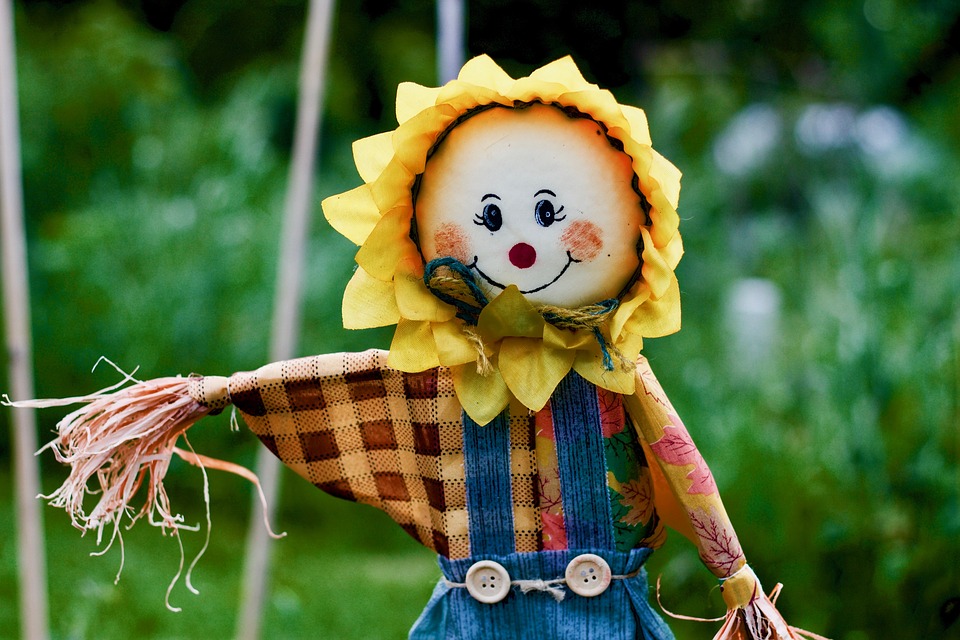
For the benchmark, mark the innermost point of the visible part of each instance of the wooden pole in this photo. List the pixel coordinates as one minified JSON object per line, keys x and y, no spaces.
{"x":287,"y":304}
{"x":450,"y":36}
{"x":16,"y":305}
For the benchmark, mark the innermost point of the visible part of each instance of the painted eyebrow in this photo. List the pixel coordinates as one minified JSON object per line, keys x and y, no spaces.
{"x":544,"y":191}
{"x":490,"y":195}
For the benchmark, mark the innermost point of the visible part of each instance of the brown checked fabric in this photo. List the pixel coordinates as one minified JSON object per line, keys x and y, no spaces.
{"x":364,"y":432}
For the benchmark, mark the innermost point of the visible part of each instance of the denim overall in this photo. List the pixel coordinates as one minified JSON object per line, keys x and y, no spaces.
{"x":552,"y":610}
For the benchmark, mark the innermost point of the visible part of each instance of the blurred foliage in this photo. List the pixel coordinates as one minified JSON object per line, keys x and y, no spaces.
{"x":820,"y":143}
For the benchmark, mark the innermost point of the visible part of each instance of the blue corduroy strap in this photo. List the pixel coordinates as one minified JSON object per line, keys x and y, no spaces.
{"x":582,"y":463}
{"x":486,"y":458}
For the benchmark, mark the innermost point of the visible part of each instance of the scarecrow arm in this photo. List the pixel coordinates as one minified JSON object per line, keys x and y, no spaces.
{"x":688,"y":500}
{"x":358,"y":429}
{"x":345,"y":421}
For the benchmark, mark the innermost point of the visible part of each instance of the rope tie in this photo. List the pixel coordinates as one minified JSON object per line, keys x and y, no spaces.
{"x":591,"y":316}
{"x":548,"y":586}
{"x":484,"y":367}
{"x":458,"y":288}
{"x":555,"y":586}
{"x":452,"y":282}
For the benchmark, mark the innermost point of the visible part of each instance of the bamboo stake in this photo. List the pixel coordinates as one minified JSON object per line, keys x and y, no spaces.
{"x":450,"y":36}
{"x":287,"y":304}
{"x":16,"y":304}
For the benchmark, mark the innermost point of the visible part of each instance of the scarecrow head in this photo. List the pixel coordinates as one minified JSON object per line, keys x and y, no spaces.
{"x":535,"y":197}
{"x":546,"y":197}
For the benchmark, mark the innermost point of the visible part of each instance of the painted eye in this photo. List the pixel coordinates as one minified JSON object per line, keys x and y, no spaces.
{"x":544,"y":213}
{"x":491,"y":219}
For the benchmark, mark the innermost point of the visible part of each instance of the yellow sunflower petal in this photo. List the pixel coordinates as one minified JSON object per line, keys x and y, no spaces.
{"x":563,"y":71}
{"x":657,"y":317}
{"x":655,"y":270}
{"x":639,"y":128}
{"x":533,"y":90}
{"x":532,"y":370}
{"x":482,"y":397}
{"x":566,"y":339}
{"x":453,"y":347}
{"x":673,"y":251}
{"x":463,"y":97}
{"x":590,"y":366}
{"x":412,"y":98}
{"x":414,"y":140}
{"x":414,"y":300}
{"x":664,"y":172}
{"x":599,"y":104}
{"x":665,"y":220}
{"x":368,"y":302}
{"x":372,"y":154}
{"x":482,"y":71}
{"x":510,"y":314}
{"x":413,"y":349}
{"x":387,"y":244}
{"x":392,"y":189}
{"x":630,"y":346}
{"x":639,"y":294}
{"x":353,"y":213}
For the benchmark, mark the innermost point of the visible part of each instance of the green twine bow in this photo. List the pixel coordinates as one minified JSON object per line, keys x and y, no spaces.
{"x":460,"y":289}
{"x":456,"y":289}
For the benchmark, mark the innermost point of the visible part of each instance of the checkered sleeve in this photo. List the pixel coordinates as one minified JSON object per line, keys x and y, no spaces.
{"x":362,"y":431}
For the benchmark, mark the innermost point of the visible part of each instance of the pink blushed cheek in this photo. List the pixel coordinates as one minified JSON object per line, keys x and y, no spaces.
{"x":450,"y":240}
{"x":583,"y":240}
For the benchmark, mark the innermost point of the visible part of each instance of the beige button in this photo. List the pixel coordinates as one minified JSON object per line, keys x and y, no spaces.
{"x":488,"y":581}
{"x":588,"y":575}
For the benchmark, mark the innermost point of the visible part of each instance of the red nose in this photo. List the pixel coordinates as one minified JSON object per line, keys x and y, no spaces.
{"x":522,"y":255}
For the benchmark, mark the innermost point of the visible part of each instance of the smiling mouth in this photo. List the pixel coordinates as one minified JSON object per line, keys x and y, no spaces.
{"x":570,"y":261}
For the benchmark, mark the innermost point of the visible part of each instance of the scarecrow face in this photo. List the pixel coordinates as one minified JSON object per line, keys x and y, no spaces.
{"x":534,"y":198}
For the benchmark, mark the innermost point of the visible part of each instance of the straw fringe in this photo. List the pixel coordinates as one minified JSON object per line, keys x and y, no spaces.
{"x":757,"y":620}
{"x":121,"y":440}
{"x":760,"y":620}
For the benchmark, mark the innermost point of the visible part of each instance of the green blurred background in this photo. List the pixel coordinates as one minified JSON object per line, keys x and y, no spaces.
{"x":818,"y":367}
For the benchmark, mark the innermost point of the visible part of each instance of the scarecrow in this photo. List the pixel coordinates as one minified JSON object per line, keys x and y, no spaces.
{"x":522,"y":236}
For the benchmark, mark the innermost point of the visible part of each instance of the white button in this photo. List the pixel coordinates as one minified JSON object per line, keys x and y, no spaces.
{"x":488,"y":581}
{"x":588,"y":575}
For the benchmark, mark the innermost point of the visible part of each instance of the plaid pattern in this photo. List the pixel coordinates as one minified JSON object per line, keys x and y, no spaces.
{"x":364,"y":432}
{"x":527,"y":524}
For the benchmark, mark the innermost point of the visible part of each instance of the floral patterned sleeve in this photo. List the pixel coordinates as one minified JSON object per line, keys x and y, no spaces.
{"x":687,"y":499}
{"x":686,"y":473}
